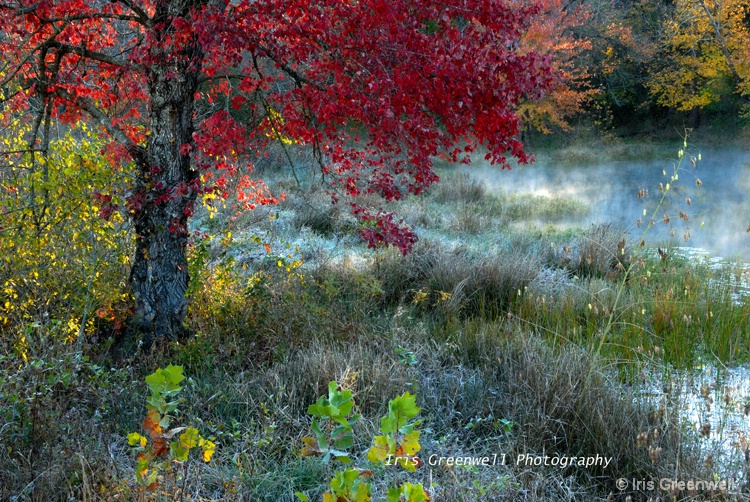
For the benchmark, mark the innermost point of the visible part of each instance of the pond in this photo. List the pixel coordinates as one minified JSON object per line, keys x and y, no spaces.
{"x":713,"y":198}
{"x":715,"y":217}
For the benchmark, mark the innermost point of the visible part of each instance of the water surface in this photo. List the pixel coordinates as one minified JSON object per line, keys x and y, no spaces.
{"x":718,"y":215}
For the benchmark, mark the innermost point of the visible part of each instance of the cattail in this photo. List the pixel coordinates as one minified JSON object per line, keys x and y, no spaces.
{"x":706,"y":430}
{"x":642,"y":439}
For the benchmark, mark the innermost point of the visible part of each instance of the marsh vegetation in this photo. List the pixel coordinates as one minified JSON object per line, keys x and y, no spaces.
{"x":524,"y":322}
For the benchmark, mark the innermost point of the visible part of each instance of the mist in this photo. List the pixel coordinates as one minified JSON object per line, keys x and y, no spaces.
{"x":717,"y":189}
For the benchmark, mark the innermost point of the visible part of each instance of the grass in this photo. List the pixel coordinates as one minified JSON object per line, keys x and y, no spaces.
{"x":494,"y":321}
{"x":467,"y":379}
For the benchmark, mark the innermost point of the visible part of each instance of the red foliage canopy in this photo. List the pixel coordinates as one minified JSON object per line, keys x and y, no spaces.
{"x":378,"y":87}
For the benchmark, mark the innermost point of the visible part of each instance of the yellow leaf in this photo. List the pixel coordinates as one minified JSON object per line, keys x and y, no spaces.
{"x":379,"y":450}
{"x":209,"y":448}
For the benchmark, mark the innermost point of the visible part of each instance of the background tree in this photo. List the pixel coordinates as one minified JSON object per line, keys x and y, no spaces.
{"x":555,"y":31}
{"x":376,"y":88}
{"x":705,"y":55}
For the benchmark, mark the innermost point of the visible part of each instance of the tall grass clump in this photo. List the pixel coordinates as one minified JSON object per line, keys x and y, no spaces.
{"x":243,"y":316}
{"x":457,"y":281}
{"x":60,"y":416}
{"x":525,"y":207}
{"x":322,"y":218}
{"x":457,"y":187}
{"x":602,"y":250}
{"x":484,"y":388}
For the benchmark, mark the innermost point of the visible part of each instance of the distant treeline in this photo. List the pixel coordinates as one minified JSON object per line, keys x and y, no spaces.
{"x":643,"y":65}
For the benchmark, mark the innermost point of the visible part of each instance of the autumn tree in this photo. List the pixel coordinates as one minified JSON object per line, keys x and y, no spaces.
{"x":705,"y":55}
{"x":555,"y":31}
{"x":187,"y":92}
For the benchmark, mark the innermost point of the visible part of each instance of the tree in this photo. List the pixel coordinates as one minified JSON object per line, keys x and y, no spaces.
{"x":706,"y":55}
{"x":189,"y":90}
{"x":555,"y":30}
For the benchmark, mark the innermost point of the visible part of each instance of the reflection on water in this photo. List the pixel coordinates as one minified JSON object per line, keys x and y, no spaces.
{"x":714,"y":403}
{"x":721,"y":203}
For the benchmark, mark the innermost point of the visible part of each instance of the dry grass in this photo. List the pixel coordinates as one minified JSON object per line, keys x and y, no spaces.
{"x":458,"y":187}
{"x":456,"y":281}
{"x":601,"y":251}
{"x":466,"y":384}
{"x":470,"y":376}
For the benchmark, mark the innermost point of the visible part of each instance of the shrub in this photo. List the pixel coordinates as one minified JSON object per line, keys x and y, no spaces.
{"x":64,"y":245}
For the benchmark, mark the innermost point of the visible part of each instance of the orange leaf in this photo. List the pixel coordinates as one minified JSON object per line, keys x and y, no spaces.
{"x":151,"y":423}
{"x":161,"y":446}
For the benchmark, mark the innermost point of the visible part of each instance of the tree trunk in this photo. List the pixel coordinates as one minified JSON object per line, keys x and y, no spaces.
{"x":164,"y":195}
{"x":695,"y":118}
{"x":716,"y":25}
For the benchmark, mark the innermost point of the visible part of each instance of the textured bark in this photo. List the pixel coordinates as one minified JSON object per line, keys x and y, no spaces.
{"x":159,"y":277}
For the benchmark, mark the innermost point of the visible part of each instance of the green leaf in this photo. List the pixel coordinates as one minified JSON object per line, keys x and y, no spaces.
{"x":342,"y":437}
{"x":190,"y":438}
{"x":172,"y":405}
{"x":400,"y":411}
{"x":340,"y":399}
{"x":302,"y":496}
{"x":341,"y":456}
{"x":410,"y":443}
{"x":156,"y":403}
{"x":141,"y":469}
{"x":337,"y":407}
{"x":507,"y":425}
{"x":178,"y":451}
{"x":407,"y":492}
{"x":165,"y":421}
{"x":394,"y":495}
{"x":165,"y":382}
{"x":348,"y":485}
{"x":135,"y":439}
{"x":322,"y":441}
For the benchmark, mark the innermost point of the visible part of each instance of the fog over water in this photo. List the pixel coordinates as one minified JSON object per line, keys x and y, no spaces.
{"x":611,"y":189}
{"x":722,"y":203}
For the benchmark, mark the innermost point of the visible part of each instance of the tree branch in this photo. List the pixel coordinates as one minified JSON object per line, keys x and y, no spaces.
{"x":142,"y":15}
{"x":20,"y":11}
{"x":88,"y":54}
{"x":298,"y":77}
{"x":25,"y":59}
{"x":137,"y":152}
{"x":93,"y":15}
